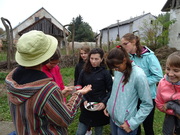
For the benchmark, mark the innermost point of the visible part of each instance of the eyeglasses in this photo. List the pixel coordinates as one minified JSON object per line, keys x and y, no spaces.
{"x":125,"y":43}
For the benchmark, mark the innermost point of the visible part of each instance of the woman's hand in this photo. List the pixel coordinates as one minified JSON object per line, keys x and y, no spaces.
{"x":85,"y":89}
{"x":67,"y":91}
{"x":85,"y":103}
{"x":101,"y":106}
{"x":106,"y":112}
{"x":125,"y":127}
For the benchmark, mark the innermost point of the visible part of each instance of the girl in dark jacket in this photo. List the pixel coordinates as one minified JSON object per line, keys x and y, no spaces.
{"x":83,"y":54}
{"x":94,"y":73}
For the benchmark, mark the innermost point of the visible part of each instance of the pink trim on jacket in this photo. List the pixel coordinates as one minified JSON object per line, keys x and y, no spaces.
{"x":166,"y":92}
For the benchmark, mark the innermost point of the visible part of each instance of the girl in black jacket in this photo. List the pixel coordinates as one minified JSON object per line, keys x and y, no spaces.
{"x":96,"y":74}
{"x":83,"y":54}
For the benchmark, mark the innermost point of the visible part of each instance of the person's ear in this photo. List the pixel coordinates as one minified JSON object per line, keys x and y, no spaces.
{"x":124,"y":60}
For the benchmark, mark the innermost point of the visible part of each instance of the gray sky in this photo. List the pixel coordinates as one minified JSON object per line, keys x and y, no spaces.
{"x":98,"y":13}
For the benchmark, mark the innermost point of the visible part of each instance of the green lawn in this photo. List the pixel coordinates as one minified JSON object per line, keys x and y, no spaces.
{"x":68,"y":75}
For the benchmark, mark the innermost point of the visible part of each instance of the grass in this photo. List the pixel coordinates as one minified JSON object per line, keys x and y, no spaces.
{"x":3,"y":56}
{"x":68,"y":75}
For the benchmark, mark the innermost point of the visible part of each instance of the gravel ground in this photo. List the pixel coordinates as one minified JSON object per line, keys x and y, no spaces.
{"x":6,"y":127}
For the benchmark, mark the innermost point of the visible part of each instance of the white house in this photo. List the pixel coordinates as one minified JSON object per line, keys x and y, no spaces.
{"x":133,"y":25}
{"x":173,"y":6}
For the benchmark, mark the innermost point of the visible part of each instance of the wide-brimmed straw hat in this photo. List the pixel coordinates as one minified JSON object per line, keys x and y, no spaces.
{"x":35,"y":47}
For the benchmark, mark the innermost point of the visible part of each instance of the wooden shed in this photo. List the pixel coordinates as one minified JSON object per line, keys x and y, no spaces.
{"x":41,"y":20}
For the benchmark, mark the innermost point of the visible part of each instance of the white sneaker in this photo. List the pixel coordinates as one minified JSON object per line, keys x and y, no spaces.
{"x":89,"y":132}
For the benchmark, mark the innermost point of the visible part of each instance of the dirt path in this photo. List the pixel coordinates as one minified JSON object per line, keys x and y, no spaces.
{"x":6,"y":127}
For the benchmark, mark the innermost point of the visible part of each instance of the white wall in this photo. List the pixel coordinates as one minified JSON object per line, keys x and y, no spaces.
{"x":174,"y":29}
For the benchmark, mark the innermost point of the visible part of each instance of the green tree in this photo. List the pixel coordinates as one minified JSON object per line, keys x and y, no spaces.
{"x":155,"y":34}
{"x":83,"y":31}
{"x":164,"y":19}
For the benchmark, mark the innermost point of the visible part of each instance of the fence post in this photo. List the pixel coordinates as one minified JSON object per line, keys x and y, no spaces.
{"x":9,"y":37}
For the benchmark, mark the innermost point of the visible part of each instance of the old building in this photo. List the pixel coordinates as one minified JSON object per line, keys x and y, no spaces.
{"x":41,"y":20}
{"x":173,"y":6}
{"x":132,"y":25}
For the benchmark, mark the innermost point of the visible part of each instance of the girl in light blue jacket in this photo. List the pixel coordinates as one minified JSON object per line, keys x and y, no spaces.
{"x":130,"y":84}
{"x":145,"y":59}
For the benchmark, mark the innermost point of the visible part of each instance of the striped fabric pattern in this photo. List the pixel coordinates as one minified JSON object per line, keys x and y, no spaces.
{"x":38,"y":108}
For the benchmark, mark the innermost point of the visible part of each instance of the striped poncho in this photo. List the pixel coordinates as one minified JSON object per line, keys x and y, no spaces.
{"x":38,"y":107}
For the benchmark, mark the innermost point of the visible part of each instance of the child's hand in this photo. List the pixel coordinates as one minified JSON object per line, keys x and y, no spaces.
{"x":85,"y":89}
{"x":125,"y":127}
{"x":106,"y":112}
{"x":101,"y":106}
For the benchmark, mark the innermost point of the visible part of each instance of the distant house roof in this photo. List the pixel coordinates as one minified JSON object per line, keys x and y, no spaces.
{"x":37,"y":12}
{"x":125,"y":22}
{"x":52,"y":29}
{"x":43,"y":16}
{"x":167,"y":6}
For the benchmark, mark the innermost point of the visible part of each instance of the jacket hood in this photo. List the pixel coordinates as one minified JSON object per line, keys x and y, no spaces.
{"x":19,"y":93}
{"x":167,"y":79}
{"x":150,"y":52}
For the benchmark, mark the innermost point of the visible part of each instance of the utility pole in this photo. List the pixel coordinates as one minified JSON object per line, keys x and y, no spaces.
{"x":118,"y":26}
{"x":118,"y":36}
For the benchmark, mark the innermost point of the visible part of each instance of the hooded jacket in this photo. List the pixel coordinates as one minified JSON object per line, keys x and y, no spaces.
{"x":122,"y":104}
{"x":151,"y":66}
{"x":55,"y":74}
{"x":101,"y":81}
{"x":78,"y":69}
{"x":36,"y":103}
{"x":168,"y":92}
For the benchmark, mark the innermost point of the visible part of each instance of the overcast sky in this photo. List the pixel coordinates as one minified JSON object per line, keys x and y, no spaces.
{"x":98,"y":13}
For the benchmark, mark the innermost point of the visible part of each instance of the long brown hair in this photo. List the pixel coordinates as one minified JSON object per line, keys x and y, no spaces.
{"x":84,"y":48}
{"x":130,"y":37}
{"x":88,"y":66}
{"x":116,"y":56}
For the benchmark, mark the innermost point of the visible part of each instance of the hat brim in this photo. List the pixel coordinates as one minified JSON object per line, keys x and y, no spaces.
{"x":30,"y":63}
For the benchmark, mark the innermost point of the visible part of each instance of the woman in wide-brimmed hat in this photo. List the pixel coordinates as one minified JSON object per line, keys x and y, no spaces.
{"x":36,"y":102}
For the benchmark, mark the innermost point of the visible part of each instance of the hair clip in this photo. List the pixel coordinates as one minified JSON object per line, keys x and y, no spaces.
{"x":118,"y":46}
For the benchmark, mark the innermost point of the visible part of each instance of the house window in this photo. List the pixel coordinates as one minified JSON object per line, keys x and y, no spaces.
{"x":36,"y":19}
{"x":178,"y":35}
{"x":152,"y":21}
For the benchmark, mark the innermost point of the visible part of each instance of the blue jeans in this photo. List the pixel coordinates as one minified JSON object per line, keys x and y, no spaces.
{"x":82,"y":128}
{"x":115,"y":130}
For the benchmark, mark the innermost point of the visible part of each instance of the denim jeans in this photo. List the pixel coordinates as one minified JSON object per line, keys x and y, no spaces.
{"x":82,"y":128}
{"x":115,"y":130}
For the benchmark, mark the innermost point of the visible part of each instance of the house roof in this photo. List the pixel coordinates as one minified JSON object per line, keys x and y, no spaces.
{"x":125,"y":22}
{"x":48,"y":13}
{"x":167,"y":6}
{"x":46,"y":30}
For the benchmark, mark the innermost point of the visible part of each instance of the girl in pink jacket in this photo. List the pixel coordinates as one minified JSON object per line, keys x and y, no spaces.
{"x":52,"y":70}
{"x":168,"y":95}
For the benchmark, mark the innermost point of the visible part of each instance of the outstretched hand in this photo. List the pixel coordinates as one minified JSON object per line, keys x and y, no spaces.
{"x":85,"y":89}
{"x":67,"y":91}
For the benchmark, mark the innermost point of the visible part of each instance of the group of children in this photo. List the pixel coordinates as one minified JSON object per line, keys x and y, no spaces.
{"x":125,"y":102}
